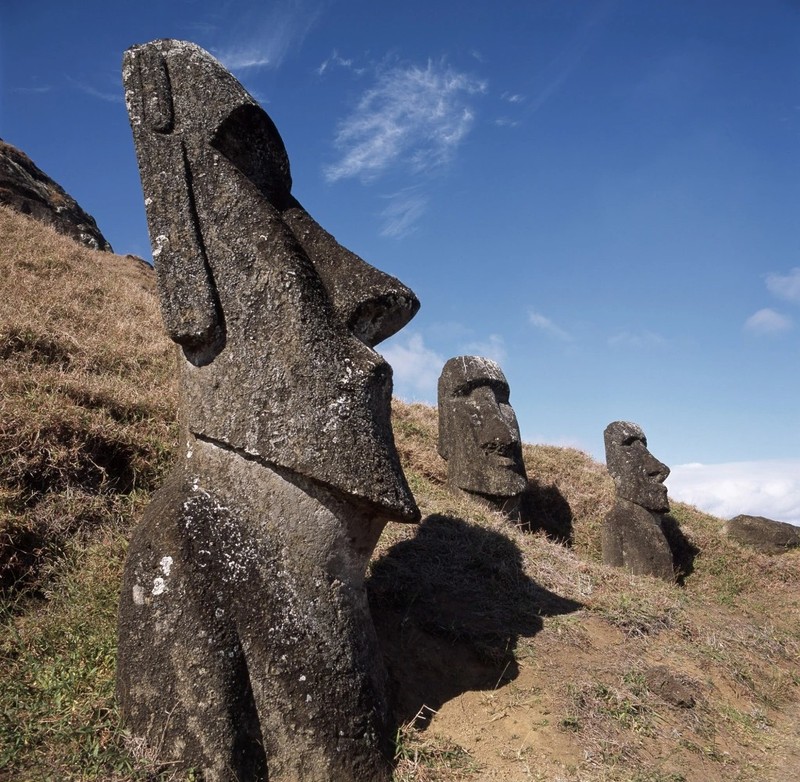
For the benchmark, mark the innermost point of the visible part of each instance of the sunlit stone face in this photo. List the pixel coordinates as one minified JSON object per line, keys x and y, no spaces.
{"x":276,"y":320}
{"x":478,"y":430}
{"x":638,"y":475}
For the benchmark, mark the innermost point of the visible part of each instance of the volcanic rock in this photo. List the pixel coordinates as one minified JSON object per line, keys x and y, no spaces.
{"x":27,"y":189}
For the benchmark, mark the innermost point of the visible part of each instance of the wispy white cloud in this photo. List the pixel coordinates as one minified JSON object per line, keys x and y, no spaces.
{"x":493,"y":347}
{"x":337,"y":60}
{"x":405,"y":208}
{"x":768,"y":488}
{"x":412,"y":115}
{"x":506,"y":122}
{"x":416,"y":367}
{"x":196,"y":28}
{"x":240,"y":57}
{"x":645,"y":340}
{"x":512,"y":97}
{"x":785,"y":286}
{"x":88,"y":89}
{"x":546,"y":325}
{"x":449,"y":331}
{"x":561,"y":67}
{"x":766,"y":321}
{"x":264,"y":40}
{"x":32,"y":90}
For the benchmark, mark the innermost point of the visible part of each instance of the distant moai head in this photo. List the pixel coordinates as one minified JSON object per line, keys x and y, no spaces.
{"x":638,"y":475}
{"x":478,"y":430}
{"x":276,"y":320}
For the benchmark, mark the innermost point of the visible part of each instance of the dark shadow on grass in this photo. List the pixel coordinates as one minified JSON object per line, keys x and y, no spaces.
{"x":683,"y":550}
{"x":544,"y":508}
{"x":449,"y":606}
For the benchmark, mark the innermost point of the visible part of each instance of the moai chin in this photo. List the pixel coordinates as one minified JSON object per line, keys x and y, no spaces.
{"x":632,"y":534}
{"x":478,"y":433}
{"x":246,"y":647}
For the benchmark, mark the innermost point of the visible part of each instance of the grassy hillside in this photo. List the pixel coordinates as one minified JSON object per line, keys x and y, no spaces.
{"x":514,"y":654}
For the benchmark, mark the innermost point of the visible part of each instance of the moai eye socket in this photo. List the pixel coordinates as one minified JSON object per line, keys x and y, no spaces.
{"x":250,"y":140}
{"x":632,"y":440}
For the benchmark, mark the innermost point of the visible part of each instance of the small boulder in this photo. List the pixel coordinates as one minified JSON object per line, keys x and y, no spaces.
{"x":663,"y":682}
{"x":764,"y":535}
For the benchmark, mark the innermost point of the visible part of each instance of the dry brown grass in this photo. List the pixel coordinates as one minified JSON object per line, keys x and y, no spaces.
{"x":514,"y":653}
{"x":87,"y":398}
{"x":565,"y":696}
{"x":584,"y":485}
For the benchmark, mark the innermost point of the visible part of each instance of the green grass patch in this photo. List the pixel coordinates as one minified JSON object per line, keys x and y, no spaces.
{"x":57,"y":663}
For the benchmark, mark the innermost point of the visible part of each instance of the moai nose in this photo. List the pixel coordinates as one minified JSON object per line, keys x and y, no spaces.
{"x":654,"y":468}
{"x":495,"y":434}
{"x":373,"y":305}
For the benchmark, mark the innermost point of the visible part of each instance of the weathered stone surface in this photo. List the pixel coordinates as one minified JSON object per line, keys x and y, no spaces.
{"x":638,"y":475}
{"x":632,"y":536}
{"x":478,"y":432}
{"x":246,"y":646}
{"x":762,"y":534}
{"x":27,"y":189}
{"x":234,"y":278}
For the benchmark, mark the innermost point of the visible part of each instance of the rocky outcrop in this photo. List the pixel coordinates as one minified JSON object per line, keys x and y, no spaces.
{"x":27,"y":189}
{"x":762,"y":534}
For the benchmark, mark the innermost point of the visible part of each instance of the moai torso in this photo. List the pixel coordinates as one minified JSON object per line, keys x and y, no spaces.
{"x":246,"y":645}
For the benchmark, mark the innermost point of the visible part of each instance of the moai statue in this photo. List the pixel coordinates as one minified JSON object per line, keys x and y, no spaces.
{"x":246,"y":646}
{"x":478,"y":433}
{"x":632,"y":533}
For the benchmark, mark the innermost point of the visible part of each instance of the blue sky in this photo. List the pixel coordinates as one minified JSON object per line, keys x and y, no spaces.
{"x":603,"y":196}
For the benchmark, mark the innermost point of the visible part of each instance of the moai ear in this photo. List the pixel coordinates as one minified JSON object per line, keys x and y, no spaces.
{"x":189,"y":304}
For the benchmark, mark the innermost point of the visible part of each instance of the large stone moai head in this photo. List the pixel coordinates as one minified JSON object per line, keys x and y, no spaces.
{"x":276,"y":320}
{"x":638,"y":476}
{"x":478,"y":431}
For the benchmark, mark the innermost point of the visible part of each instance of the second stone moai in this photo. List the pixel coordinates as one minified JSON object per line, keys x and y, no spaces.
{"x":478,"y":433}
{"x":246,"y":646}
{"x":632,"y":534}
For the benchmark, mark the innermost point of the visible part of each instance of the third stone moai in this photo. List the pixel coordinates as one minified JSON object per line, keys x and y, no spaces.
{"x":246,"y":646}
{"x":632,"y":535}
{"x":478,"y":433}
